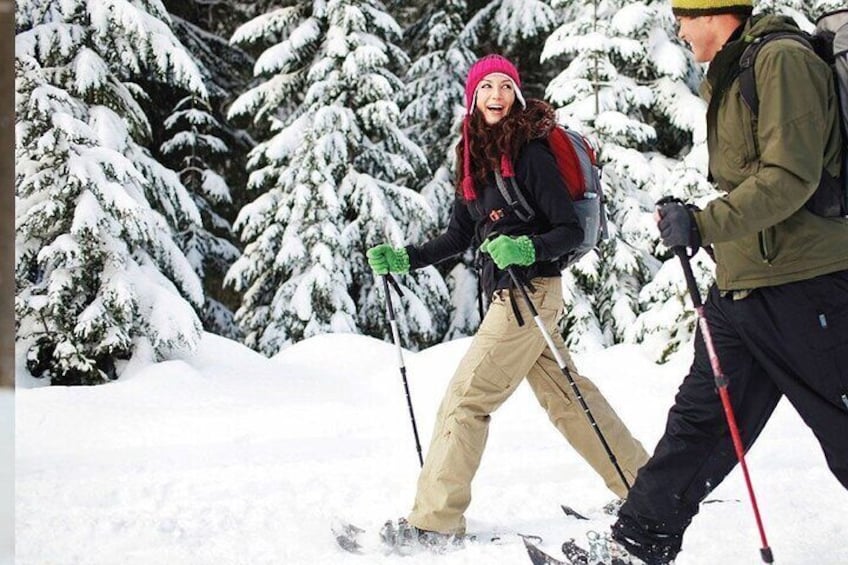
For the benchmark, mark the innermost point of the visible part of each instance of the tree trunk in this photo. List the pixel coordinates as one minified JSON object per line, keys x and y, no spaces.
{"x":7,"y":194}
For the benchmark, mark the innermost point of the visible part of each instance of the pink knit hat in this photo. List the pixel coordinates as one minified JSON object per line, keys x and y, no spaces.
{"x":486,"y":66}
{"x":478,"y":71}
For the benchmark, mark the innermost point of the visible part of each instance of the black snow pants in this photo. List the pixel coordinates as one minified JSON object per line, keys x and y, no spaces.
{"x":787,"y":340}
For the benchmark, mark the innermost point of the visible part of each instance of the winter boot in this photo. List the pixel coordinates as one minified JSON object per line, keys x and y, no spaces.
{"x":603,"y":550}
{"x":403,"y":537}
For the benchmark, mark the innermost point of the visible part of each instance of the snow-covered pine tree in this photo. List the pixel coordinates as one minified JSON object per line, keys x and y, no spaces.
{"x":666,"y":319}
{"x":433,"y":110}
{"x":630,"y":85}
{"x":516,"y":29}
{"x":226,"y":74}
{"x":332,"y":180}
{"x":195,"y":147}
{"x":435,"y":81}
{"x":98,"y":275}
{"x":226,"y":71}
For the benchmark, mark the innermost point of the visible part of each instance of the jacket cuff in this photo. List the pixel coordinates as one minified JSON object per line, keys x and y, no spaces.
{"x":413,"y":257}
{"x":538,"y":249}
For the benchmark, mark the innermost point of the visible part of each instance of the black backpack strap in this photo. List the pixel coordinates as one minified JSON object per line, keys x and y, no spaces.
{"x":392,"y":281}
{"x":514,"y":198}
{"x":480,"y":310}
{"x":747,"y":81}
{"x":513,"y":290}
{"x":478,"y":270}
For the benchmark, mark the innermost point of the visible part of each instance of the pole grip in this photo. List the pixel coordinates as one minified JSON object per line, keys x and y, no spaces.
{"x":389,"y":305}
{"x":523,"y":290}
{"x":694,"y":293}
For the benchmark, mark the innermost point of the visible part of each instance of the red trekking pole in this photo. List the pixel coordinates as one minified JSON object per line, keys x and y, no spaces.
{"x":721,"y":384}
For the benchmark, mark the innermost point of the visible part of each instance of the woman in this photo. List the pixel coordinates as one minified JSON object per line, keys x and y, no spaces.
{"x":501,"y":129}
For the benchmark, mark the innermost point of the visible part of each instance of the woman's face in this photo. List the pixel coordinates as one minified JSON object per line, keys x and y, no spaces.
{"x":495,"y":97}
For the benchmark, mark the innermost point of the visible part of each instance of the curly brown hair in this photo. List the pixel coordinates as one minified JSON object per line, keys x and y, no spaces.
{"x":488,"y":142}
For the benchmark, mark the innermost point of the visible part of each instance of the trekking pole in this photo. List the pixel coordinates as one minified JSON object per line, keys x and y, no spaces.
{"x":565,"y":371}
{"x":396,"y":337}
{"x":721,"y":383}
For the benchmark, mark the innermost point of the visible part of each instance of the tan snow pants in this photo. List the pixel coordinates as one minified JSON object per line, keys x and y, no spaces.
{"x":500,"y":356}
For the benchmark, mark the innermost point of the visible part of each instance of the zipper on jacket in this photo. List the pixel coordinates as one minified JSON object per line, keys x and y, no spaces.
{"x":763,"y":247}
{"x":766,"y":251}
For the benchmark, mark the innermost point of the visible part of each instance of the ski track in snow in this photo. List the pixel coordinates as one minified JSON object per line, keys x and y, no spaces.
{"x":231,"y":458}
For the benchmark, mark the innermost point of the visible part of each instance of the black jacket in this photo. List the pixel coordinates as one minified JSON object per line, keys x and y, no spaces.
{"x":554,"y":231}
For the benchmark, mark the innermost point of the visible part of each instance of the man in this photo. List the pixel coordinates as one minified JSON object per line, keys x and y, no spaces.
{"x":778,"y":312}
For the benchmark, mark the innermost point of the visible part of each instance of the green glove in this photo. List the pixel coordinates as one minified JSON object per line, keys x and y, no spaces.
{"x":385,"y":259}
{"x":506,"y":250}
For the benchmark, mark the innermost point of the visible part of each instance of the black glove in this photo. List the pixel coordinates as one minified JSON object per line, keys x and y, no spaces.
{"x":678,"y":227}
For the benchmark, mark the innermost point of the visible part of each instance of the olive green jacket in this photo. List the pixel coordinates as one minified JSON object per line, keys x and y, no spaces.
{"x":769,"y":167}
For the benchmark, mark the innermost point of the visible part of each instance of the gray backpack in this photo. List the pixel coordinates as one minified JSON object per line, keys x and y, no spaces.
{"x":830,"y":42}
{"x":578,"y":166}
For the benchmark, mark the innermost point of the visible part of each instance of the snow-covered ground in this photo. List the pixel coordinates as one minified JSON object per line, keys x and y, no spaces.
{"x":232,"y":458}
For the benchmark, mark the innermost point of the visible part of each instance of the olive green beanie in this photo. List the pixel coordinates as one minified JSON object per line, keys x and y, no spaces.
{"x":710,"y":7}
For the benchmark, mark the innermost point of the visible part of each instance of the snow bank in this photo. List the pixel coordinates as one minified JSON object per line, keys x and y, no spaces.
{"x":231,"y":458}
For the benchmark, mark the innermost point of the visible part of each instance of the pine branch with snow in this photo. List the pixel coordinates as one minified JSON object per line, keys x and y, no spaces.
{"x":195,"y":148}
{"x":517,"y":30}
{"x":509,"y":23}
{"x":433,"y":108}
{"x":433,"y":97}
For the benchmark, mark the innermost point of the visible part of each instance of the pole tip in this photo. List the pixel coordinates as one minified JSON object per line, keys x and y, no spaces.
{"x":767,"y":555}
